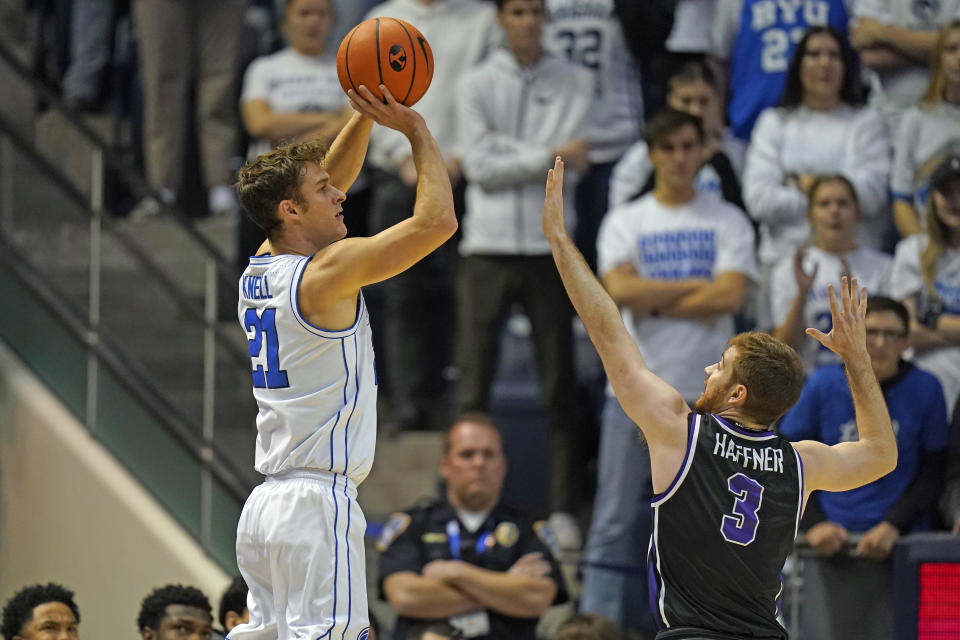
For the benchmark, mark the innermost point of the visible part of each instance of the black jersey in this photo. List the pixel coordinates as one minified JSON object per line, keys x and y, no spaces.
{"x":722,"y":531}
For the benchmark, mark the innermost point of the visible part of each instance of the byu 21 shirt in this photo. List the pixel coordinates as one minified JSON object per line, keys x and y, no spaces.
{"x":316,"y":389}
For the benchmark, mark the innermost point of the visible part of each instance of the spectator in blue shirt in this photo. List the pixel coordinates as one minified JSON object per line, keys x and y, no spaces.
{"x":858,"y":590}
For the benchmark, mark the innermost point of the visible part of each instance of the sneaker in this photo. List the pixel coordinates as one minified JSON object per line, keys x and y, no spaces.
{"x":566,"y":530}
{"x":150,"y":207}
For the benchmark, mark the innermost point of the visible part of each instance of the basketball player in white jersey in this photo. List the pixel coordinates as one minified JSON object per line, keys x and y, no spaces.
{"x":300,"y":537}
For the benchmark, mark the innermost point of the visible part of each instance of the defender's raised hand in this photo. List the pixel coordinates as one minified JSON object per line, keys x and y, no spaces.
{"x":553,"y":225}
{"x":848,"y":336}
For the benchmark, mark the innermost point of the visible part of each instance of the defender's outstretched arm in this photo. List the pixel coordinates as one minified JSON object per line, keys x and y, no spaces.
{"x":657,"y":408}
{"x":848,"y":465}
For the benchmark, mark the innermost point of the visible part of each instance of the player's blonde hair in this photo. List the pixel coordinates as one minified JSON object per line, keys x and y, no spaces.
{"x":275,"y":176}
{"x":771,"y":371}
{"x":934,"y":93}
{"x":938,"y":240}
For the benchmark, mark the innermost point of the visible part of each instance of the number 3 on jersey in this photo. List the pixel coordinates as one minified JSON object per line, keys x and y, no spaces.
{"x":741,"y":527}
{"x":265,"y":325}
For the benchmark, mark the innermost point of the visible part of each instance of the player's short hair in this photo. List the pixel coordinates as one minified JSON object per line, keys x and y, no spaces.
{"x":878,"y":304}
{"x":154,"y":606}
{"x":771,"y":371}
{"x":475,"y":417}
{"x":821,"y":180}
{"x":233,"y":599}
{"x":275,"y":176}
{"x":666,"y":122}
{"x":18,"y":610}
{"x":587,"y":626}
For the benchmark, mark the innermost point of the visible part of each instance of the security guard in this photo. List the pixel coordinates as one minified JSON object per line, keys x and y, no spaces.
{"x":487,"y":568}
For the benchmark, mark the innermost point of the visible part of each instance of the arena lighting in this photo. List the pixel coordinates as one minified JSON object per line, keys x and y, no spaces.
{"x":927,"y":587}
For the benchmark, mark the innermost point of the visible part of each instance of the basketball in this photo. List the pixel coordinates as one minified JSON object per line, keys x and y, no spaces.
{"x":386,"y":51}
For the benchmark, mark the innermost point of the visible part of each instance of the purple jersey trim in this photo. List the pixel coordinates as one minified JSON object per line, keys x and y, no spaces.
{"x":692,"y":428}
{"x":748,"y":433}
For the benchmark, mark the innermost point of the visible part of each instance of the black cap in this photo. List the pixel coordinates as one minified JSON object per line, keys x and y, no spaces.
{"x":946,"y":172}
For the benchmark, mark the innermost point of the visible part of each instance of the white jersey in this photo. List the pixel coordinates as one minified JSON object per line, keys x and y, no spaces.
{"x":316,"y":389}
{"x":869,"y":266}
{"x":588,"y":33}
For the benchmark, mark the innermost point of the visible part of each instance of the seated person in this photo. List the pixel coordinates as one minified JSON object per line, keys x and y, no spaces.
{"x":856,"y":592}
{"x":40,"y":612}
{"x":175,"y":611}
{"x":233,"y":605}
{"x":485,"y":567}
{"x":925,"y":277}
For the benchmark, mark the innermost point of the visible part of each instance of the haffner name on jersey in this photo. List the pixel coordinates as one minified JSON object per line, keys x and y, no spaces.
{"x":256,"y":288}
{"x":765,"y":459}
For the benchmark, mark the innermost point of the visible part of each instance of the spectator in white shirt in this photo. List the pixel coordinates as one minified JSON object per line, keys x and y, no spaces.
{"x":798,"y":284}
{"x":819,"y":128}
{"x":927,"y":134}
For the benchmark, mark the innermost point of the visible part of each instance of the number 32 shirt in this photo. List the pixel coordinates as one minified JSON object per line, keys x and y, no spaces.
{"x":316,"y":389}
{"x":722,"y":531}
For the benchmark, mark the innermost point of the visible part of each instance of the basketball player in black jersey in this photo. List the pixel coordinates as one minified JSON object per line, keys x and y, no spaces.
{"x":728,"y":492}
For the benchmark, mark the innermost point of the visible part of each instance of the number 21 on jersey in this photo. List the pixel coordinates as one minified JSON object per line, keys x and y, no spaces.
{"x":264,"y":328}
{"x":741,"y":527}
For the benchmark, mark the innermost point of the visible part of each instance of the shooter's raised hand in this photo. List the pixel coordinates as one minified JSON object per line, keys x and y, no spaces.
{"x":848,"y":337}
{"x":387,"y":112}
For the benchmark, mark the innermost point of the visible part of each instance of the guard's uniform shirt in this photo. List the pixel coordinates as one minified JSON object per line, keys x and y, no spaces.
{"x":433,"y":532}
{"x":722,"y":531}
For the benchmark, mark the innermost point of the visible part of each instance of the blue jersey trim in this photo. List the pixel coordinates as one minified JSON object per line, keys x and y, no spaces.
{"x":349,"y":572}
{"x":306,"y":324}
{"x":336,"y":553}
{"x":356,"y":397}
{"x":346,"y":383}
{"x":264,"y":258}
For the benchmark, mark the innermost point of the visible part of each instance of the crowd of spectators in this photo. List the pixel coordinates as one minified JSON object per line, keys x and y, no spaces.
{"x":785,"y":144}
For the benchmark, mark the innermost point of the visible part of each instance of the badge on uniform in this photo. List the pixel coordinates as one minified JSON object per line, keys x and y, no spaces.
{"x":396,"y":525}
{"x":472,"y":625}
{"x":545,"y":533}
{"x":506,"y":534}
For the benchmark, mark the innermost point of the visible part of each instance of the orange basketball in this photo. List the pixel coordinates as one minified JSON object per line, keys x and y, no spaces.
{"x":386,"y":51}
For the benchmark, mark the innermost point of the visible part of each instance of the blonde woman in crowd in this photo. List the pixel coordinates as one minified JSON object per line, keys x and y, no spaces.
{"x":926,"y":278}
{"x":928,"y":132}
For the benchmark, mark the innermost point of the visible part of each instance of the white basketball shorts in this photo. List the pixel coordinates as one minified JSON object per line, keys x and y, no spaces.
{"x":300,"y":550}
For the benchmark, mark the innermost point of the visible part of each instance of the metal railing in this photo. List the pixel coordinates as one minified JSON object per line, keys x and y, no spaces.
{"x":116,"y":258}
